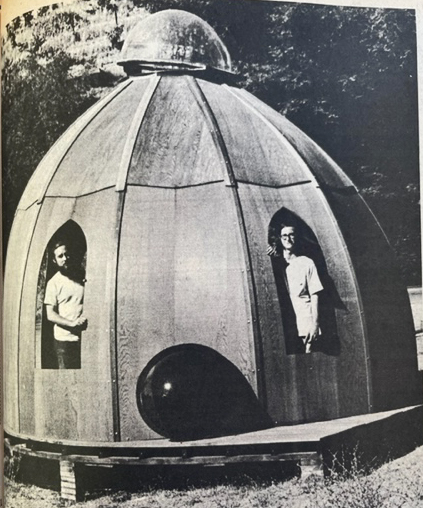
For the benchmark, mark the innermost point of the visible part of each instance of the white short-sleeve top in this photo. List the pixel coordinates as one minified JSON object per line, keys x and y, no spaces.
{"x":67,"y":298}
{"x":303,"y":281}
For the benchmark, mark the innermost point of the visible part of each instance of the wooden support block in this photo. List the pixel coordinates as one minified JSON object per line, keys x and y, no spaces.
{"x":67,"y":480}
{"x":303,"y":457}
{"x":68,"y":493}
{"x":311,"y":466}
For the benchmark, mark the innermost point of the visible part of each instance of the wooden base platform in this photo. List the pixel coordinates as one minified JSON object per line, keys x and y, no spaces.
{"x":315,"y":448}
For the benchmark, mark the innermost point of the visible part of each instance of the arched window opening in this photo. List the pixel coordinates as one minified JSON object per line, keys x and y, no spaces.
{"x":297,"y":279}
{"x":60,"y":296}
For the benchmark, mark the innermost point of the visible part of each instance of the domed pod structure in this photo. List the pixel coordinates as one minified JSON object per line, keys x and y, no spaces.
{"x":172,"y":187}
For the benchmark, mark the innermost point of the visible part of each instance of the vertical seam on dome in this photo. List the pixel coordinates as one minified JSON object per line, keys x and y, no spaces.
{"x":120,"y":187}
{"x":134,"y":129}
{"x":245,"y":96}
{"x":231,"y":182}
{"x":217,"y":137}
{"x":328,"y":209}
{"x":84,"y":120}
{"x":114,"y":363}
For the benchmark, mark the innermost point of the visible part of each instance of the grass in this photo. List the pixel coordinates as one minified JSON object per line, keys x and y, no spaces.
{"x":394,"y":485}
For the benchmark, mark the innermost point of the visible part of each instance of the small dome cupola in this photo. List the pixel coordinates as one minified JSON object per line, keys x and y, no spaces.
{"x":173,"y":40}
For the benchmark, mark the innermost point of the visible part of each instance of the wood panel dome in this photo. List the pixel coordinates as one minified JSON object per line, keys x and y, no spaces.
{"x":174,"y":182}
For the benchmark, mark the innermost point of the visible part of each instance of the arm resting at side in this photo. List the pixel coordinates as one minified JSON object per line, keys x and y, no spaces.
{"x":314,"y":329}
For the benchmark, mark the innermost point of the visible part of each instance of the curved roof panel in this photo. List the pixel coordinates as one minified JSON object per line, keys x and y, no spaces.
{"x":41,"y":178}
{"x":258,"y":153}
{"x":175,"y":146}
{"x":177,"y":131}
{"x":93,"y":160}
{"x":325,"y":170}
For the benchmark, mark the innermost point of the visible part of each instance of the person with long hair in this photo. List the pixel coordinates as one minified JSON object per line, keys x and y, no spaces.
{"x":64,"y":300}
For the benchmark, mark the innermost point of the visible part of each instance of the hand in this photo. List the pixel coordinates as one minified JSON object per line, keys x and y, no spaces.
{"x":313,"y":332}
{"x":272,"y":250}
{"x":81,"y":322}
{"x":311,"y":337}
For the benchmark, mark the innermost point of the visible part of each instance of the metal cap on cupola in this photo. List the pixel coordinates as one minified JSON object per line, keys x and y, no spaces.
{"x":173,"y":40}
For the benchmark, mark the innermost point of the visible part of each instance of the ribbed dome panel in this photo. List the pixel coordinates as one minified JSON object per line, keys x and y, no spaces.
{"x":255,"y":150}
{"x":175,"y":146}
{"x":41,"y":178}
{"x":323,"y":167}
{"x":93,"y":160}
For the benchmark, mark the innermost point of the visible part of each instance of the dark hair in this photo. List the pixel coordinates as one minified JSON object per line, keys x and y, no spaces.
{"x":58,"y":243}
{"x":287,"y":226}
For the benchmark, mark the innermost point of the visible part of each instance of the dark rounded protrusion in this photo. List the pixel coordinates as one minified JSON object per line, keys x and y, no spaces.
{"x":192,"y":392}
{"x":173,"y":40}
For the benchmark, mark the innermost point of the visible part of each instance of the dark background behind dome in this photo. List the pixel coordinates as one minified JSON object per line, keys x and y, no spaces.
{"x":346,"y":76}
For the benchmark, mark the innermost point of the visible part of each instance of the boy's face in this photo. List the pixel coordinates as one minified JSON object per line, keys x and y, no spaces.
{"x":62,"y":257}
{"x":288,"y":237}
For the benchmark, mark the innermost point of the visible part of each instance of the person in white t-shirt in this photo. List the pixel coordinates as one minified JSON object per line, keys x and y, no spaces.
{"x":64,"y":299}
{"x":303,"y":285}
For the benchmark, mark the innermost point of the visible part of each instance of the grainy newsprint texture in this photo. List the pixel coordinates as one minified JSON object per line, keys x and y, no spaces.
{"x":192,"y":203}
